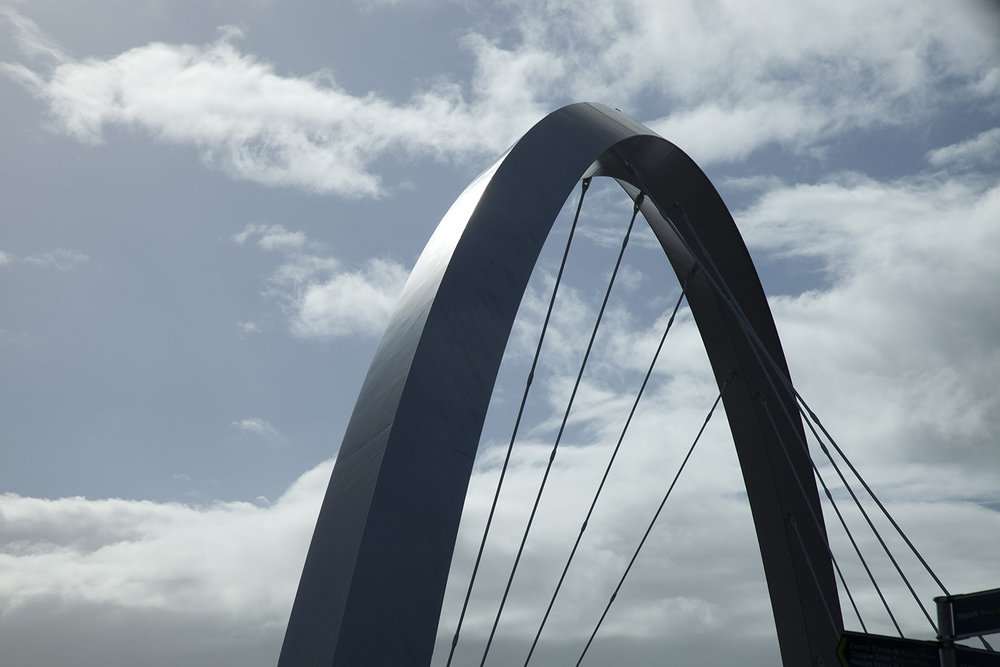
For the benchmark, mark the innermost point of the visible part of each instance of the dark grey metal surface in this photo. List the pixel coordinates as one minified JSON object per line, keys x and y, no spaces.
{"x":375,"y":575}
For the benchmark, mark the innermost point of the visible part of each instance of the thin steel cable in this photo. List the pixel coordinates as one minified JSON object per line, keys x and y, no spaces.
{"x":744,"y":322}
{"x":819,"y":525}
{"x":607,"y":469}
{"x":755,"y":344}
{"x":857,"y":550}
{"x":562,"y":427}
{"x":840,"y":516}
{"x":517,"y":422}
{"x":768,"y":374}
{"x":816,"y":520}
{"x":758,"y":348}
{"x":871,"y":525}
{"x":878,"y":535}
{"x":843,"y":582}
{"x":812,"y":571}
{"x":656,"y":515}
{"x":814,"y":418}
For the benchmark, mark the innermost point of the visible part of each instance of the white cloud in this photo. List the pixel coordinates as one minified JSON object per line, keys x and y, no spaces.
{"x":256,"y":124}
{"x":246,"y":328}
{"x":713,"y":133}
{"x":982,"y":149}
{"x":30,"y":38}
{"x":59,"y":259}
{"x":259,"y":427}
{"x":320,"y":297}
{"x":897,"y":351}
{"x":898,"y":354}
{"x":227,"y":560}
{"x":350,"y":302}
{"x":907,"y":323}
{"x":272,"y":237}
{"x":735,"y":78}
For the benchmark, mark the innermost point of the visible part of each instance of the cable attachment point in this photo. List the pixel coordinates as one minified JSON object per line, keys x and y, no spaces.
{"x":638,"y":202}
{"x":690,"y":274}
{"x":729,"y":378}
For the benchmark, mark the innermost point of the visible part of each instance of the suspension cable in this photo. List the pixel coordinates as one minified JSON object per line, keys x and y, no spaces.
{"x":652,"y":521}
{"x":812,"y":571}
{"x":813,"y":418}
{"x":857,"y":550}
{"x":517,"y":422}
{"x":819,"y":526}
{"x":819,"y":476}
{"x":871,"y":524}
{"x":562,"y":428}
{"x":755,"y":343}
{"x":758,"y":348}
{"x":748,"y":328}
{"x":607,"y":469}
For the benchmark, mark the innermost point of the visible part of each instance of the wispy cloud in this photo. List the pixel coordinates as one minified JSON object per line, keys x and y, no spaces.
{"x":246,"y":328}
{"x":32,"y":41}
{"x":349,"y":302}
{"x":256,"y":124}
{"x":912,"y":263}
{"x":272,"y":237}
{"x":981,"y":150}
{"x":59,"y":259}
{"x":320,"y":297}
{"x":737,"y":78}
{"x":259,"y":427}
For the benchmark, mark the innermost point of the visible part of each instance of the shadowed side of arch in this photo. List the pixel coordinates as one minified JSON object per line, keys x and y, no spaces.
{"x":375,"y":574}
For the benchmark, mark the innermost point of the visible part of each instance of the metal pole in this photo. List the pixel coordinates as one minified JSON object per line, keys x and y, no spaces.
{"x":946,"y":628}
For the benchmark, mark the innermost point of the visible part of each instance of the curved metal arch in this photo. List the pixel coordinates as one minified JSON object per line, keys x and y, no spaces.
{"x":375,"y":574}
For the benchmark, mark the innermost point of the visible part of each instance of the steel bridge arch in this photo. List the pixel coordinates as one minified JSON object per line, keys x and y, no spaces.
{"x":374,"y":578}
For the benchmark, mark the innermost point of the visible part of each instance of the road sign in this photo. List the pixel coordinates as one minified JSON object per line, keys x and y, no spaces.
{"x":975,"y":613}
{"x":857,"y":649}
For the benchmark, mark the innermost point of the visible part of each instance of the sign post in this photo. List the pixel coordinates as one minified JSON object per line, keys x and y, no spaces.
{"x":970,"y":614}
{"x":967,"y":615}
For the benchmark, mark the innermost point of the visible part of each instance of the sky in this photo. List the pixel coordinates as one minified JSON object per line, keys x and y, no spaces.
{"x":209,"y":209}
